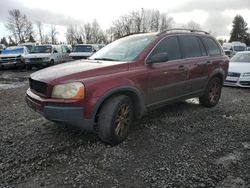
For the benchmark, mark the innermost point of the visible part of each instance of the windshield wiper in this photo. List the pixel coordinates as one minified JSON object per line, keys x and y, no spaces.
{"x":105,"y":59}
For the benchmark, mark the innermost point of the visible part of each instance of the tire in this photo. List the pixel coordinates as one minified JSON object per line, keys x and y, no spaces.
{"x":115,"y":118}
{"x":51,"y":62}
{"x":212,"y":93}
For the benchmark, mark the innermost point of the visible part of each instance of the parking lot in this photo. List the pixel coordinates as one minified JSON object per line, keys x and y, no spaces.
{"x":182,"y":145}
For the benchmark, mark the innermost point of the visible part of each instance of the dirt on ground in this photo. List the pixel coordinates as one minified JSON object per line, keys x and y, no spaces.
{"x":182,"y":145}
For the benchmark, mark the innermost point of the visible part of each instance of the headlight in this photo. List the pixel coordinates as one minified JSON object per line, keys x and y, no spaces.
{"x":247,"y":74}
{"x":74,"y":90}
{"x":22,"y":58}
{"x":46,"y":58}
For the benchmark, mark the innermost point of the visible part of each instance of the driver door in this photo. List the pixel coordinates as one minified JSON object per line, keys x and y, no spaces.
{"x":167,"y":80}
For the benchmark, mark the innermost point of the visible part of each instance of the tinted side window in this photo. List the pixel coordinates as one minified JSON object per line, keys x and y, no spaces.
{"x":211,"y":45}
{"x":191,"y":47}
{"x":203,"y":50}
{"x":168,"y":45}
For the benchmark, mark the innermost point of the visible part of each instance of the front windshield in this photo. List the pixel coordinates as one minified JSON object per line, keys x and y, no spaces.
{"x":41,"y":49}
{"x":125,"y":49}
{"x":13,"y":51}
{"x":29,"y":47}
{"x":241,"y":57}
{"x":239,"y":48}
{"x":82,"y":48}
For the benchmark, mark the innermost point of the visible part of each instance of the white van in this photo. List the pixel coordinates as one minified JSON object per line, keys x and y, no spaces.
{"x":28,"y":45}
{"x":46,"y":55}
{"x":83,"y":51}
{"x":235,"y":47}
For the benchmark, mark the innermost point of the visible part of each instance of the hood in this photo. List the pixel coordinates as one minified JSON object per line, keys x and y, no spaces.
{"x":78,"y":70}
{"x":75,"y":54}
{"x":10,"y":55}
{"x":239,"y":67}
{"x":38,"y":55}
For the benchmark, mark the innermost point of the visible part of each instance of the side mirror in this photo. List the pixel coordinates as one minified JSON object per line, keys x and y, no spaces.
{"x":68,"y":51}
{"x":94,"y":51}
{"x":55,"y":51}
{"x":158,"y":58}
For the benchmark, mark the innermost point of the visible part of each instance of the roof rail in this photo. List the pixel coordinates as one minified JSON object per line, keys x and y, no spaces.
{"x":182,"y":29}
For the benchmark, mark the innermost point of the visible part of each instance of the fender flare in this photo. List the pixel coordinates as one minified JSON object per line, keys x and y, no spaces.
{"x":121,"y":90}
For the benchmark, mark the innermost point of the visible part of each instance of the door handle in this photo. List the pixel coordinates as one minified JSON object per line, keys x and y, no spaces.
{"x":203,"y":63}
{"x":182,"y":68}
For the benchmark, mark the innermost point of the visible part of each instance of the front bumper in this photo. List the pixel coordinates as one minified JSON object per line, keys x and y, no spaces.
{"x":238,"y":82}
{"x":59,"y":112}
{"x":11,"y":64}
{"x":38,"y":63}
{"x":79,"y":57}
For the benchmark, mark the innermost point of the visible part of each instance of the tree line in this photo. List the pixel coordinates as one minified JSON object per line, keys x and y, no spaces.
{"x":22,"y":30}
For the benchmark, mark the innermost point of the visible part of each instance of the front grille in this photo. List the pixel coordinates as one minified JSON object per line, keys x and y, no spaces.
{"x":245,"y":83}
{"x":9,"y":59}
{"x":36,"y":59}
{"x":79,"y":57}
{"x":38,"y":87}
{"x":230,"y":81}
{"x":233,"y":74}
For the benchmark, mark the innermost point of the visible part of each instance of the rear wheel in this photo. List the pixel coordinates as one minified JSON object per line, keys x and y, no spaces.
{"x":115,"y":119}
{"x":212,"y":93}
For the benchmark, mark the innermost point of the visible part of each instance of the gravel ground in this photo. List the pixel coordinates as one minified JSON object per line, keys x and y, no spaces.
{"x":183,"y":145}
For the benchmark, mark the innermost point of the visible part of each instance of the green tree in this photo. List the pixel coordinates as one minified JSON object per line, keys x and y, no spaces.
{"x":11,"y":42}
{"x":239,"y":31}
{"x":221,"y":41}
{"x":31,"y":38}
{"x":4,"y":41}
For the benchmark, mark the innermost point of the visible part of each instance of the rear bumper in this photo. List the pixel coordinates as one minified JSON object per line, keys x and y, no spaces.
{"x":60,"y":113}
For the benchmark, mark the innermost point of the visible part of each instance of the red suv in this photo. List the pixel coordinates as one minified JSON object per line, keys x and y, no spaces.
{"x":128,"y":77}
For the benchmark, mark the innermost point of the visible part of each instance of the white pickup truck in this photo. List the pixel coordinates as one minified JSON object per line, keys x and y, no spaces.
{"x":83,"y":51}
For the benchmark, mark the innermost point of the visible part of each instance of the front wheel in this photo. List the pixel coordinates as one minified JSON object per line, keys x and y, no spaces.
{"x":115,"y":119}
{"x":52,"y":62}
{"x":212,"y":93}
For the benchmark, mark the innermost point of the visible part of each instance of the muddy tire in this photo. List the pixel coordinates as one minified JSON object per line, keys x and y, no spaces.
{"x":115,"y":118}
{"x":212,"y":93}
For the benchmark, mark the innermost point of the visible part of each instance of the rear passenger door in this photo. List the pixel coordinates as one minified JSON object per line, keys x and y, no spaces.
{"x":215,"y":59}
{"x":167,"y":80}
{"x":197,"y":60}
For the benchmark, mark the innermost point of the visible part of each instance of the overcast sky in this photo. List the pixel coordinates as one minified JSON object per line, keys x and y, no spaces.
{"x":212,"y":15}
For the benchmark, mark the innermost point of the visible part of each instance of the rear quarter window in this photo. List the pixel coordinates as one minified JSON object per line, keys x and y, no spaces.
{"x":212,"y":47}
{"x":190,"y":46}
